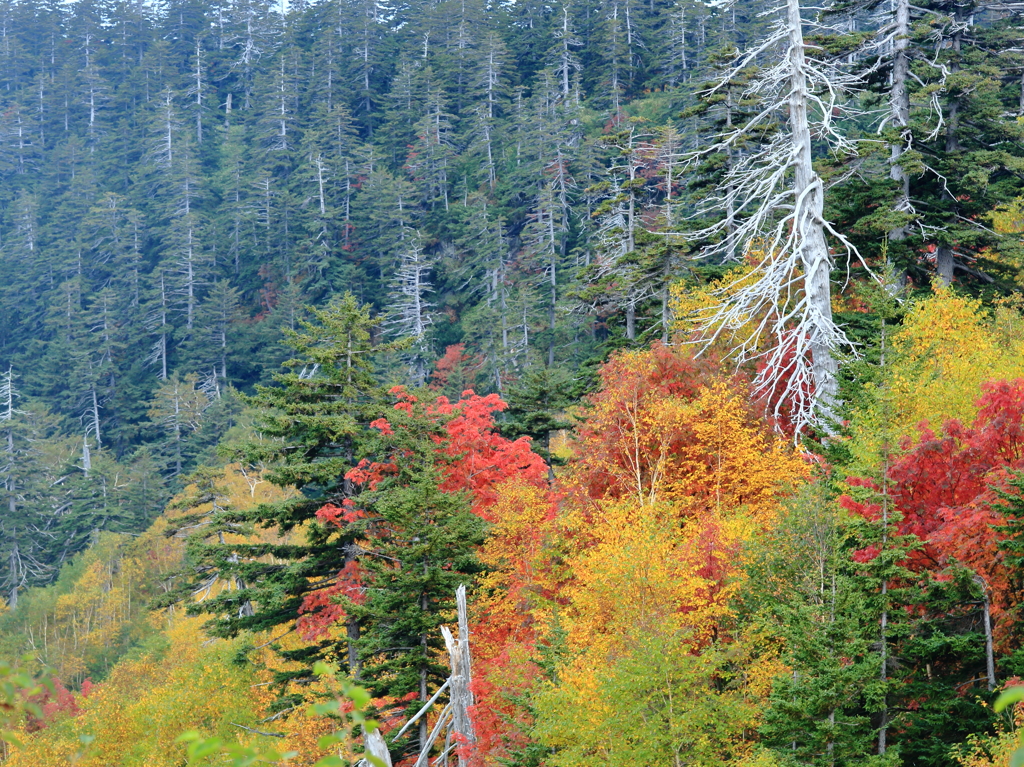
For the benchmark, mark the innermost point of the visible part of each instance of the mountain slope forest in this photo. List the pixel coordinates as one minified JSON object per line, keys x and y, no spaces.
{"x":687,"y":336}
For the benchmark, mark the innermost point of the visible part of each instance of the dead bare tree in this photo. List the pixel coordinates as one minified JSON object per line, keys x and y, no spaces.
{"x":409,"y":315}
{"x":455,"y":720}
{"x":778,"y":197}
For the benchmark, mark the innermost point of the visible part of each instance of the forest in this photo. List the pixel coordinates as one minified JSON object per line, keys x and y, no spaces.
{"x":511,"y":384}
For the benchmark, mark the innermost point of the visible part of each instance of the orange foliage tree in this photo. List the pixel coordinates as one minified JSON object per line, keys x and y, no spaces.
{"x":666,"y":426}
{"x":512,"y":613}
{"x":668,"y":431}
{"x":637,"y":554}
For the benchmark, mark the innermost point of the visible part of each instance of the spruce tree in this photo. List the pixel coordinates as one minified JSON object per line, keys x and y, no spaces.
{"x":805,"y":592}
{"x":418,"y":546}
{"x":312,"y":424}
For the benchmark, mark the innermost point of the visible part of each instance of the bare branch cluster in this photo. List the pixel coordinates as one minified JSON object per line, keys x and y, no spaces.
{"x":777,"y":195}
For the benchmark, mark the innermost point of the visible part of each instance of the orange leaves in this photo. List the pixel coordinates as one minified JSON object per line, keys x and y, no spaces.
{"x":454,"y":369}
{"x":733,"y":462}
{"x":339,"y":515}
{"x":636,"y":424}
{"x":512,"y":611}
{"x":665,"y":427}
{"x":517,"y":551}
{"x":674,"y":472}
{"x":369,"y":473}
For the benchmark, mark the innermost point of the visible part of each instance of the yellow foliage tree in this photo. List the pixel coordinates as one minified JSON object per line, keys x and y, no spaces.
{"x":97,"y":609}
{"x":636,"y":575}
{"x":667,"y":427}
{"x":1009,"y":219}
{"x":693,"y":306}
{"x":993,"y":750}
{"x":78,"y":626}
{"x":177,"y":683}
{"x":643,"y":681}
{"x":175,"y":679}
{"x":934,"y":367}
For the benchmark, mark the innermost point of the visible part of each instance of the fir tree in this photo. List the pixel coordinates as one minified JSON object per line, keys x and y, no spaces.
{"x":312,"y":427}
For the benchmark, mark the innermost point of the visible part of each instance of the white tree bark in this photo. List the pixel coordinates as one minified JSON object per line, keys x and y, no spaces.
{"x":455,"y":717}
{"x":375,"y":746}
{"x":769,"y":206}
{"x":990,"y":664}
{"x":567,"y":61}
{"x":410,"y":312}
{"x":809,"y":194}
{"x":462,"y":675}
{"x":899,"y":109}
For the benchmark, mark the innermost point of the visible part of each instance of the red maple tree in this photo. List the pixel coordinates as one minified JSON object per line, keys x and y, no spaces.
{"x":945,"y":488}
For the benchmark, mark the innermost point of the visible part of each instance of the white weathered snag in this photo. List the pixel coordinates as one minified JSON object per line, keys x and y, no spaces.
{"x":455,"y":720}
{"x":778,"y":199}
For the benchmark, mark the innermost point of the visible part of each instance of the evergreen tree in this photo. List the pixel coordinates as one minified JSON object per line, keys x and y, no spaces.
{"x":313,"y":424}
{"x":537,"y":405}
{"x":805,"y":590}
{"x":419,"y":545}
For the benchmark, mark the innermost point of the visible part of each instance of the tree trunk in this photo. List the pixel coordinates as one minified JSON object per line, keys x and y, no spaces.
{"x":462,"y":676}
{"x":666,"y":311}
{"x":352,"y":630}
{"x":551,"y":307}
{"x":809,"y":197}
{"x":990,"y":664}
{"x":424,"y":697}
{"x":899,"y":111}
{"x":944,"y":264}
{"x":12,"y":598}
{"x":1020,"y":103}
{"x":883,"y":725}
{"x":953,"y":123}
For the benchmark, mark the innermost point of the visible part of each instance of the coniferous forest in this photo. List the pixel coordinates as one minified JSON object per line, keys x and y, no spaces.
{"x":687,"y":337}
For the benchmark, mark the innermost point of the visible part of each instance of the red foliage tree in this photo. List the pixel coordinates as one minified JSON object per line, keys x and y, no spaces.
{"x":523,"y":574}
{"x":473,"y":457}
{"x":57,"y":701}
{"x":481,"y":459}
{"x":944,"y":488}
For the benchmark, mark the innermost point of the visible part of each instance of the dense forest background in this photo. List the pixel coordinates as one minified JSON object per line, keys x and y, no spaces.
{"x":179,"y":180}
{"x":285,"y":290}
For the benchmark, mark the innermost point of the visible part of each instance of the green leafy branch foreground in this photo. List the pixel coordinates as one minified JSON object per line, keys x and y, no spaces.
{"x":19,"y":691}
{"x":1007,"y":699}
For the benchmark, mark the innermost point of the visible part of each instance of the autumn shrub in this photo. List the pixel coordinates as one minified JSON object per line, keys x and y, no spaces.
{"x":171,"y":685}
